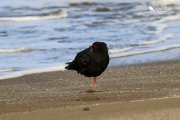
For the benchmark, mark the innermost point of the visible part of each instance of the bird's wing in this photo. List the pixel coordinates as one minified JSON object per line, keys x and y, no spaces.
{"x":103,"y":63}
{"x":82,"y":59}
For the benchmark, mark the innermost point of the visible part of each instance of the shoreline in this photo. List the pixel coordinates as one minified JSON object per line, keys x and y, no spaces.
{"x":62,"y":68}
{"x":66,"y":90}
{"x":33,"y":71}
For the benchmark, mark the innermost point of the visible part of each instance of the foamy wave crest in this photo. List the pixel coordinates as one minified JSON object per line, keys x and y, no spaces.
{"x":160,"y":25}
{"x":128,"y":21}
{"x":11,"y":69}
{"x":170,"y":18}
{"x":168,"y":2}
{"x":16,"y":50}
{"x":145,"y":52}
{"x":96,"y":1}
{"x":119,"y":50}
{"x":6,"y":70}
{"x":168,"y":36}
{"x":53,"y":15}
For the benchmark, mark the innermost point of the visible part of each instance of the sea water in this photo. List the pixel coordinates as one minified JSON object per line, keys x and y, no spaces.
{"x":39,"y":36}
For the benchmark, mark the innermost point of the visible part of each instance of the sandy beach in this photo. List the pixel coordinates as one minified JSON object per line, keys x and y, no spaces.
{"x":145,"y":91}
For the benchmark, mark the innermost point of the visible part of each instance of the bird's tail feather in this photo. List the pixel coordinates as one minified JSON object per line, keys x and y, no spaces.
{"x":68,"y":63}
{"x":70,"y":66}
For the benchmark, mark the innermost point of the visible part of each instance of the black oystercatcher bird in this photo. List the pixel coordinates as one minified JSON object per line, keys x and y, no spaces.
{"x":91,"y":62}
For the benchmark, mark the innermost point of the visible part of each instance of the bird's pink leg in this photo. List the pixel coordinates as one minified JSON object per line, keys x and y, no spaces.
{"x":94,"y":84}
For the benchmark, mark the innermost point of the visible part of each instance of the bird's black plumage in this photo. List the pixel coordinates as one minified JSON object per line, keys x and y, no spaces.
{"x":92,"y":61}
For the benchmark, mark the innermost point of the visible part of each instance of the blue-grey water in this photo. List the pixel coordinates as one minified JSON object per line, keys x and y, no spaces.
{"x":42,"y":35}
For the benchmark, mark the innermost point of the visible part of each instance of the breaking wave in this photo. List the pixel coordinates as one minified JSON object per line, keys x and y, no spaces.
{"x":53,"y":15}
{"x":119,"y":50}
{"x":168,"y":47}
{"x":162,"y":39}
{"x":16,"y":50}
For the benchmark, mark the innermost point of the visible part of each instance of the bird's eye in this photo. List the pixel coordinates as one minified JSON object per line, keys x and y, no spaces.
{"x":94,"y":46}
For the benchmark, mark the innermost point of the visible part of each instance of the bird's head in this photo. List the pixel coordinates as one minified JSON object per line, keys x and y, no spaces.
{"x":99,"y":47}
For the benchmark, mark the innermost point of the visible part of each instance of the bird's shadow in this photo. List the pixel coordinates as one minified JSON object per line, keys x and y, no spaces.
{"x":92,"y":91}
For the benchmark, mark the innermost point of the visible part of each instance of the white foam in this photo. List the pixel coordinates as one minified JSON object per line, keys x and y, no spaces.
{"x":169,"y":18}
{"x":172,"y":18}
{"x":15,"y":50}
{"x":6,"y":70}
{"x":27,"y":72}
{"x":100,"y":1}
{"x":168,"y":36}
{"x":167,"y":2}
{"x":11,"y":69}
{"x":34,"y":5}
{"x":62,"y":14}
{"x":129,"y":21}
{"x":119,"y":50}
{"x":168,"y":47}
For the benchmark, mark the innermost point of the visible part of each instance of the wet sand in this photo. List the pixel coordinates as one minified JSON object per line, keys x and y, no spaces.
{"x":161,"y":109}
{"x":122,"y":92}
